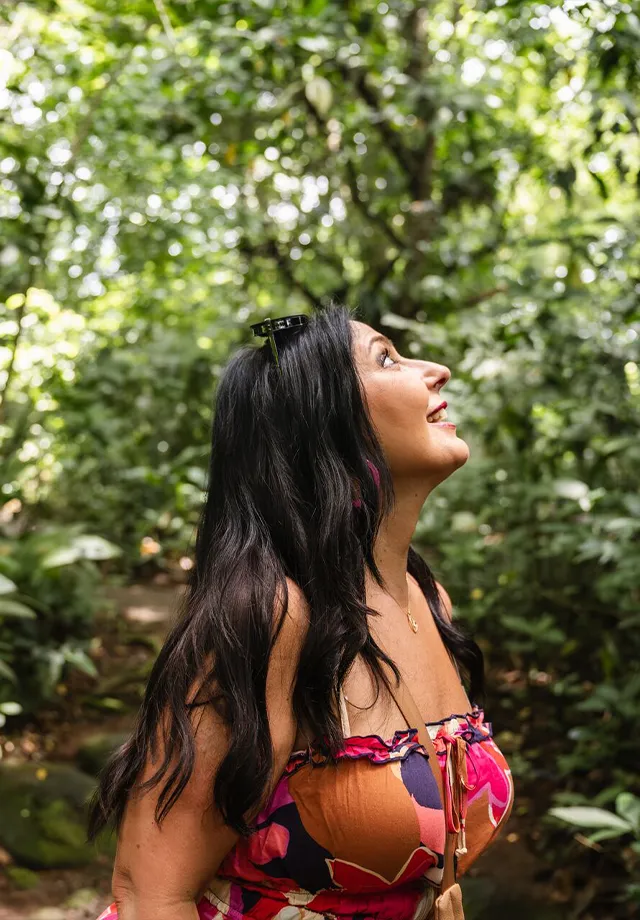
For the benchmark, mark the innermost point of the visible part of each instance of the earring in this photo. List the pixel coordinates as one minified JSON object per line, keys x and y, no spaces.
{"x":376,"y":477}
{"x":374,"y":472}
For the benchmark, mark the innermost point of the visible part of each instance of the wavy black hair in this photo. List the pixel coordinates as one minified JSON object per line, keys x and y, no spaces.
{"x":286,"y":450}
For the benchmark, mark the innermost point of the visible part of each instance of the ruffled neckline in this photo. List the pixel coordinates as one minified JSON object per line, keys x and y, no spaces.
{"x":470,"y":725}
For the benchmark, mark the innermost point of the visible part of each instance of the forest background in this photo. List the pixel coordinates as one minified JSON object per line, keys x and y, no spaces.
{"x":468,"y":174}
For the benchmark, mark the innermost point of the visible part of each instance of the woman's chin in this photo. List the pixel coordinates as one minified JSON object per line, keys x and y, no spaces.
{"x":453,"y":456}
{"x":446,"y":439}
{"x":462,"y":449}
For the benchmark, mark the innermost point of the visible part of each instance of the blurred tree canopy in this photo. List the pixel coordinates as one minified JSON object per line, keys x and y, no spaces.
{"x":466,"y":172}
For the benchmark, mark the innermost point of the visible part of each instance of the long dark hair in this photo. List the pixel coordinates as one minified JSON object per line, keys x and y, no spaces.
{"x":285,"y":453}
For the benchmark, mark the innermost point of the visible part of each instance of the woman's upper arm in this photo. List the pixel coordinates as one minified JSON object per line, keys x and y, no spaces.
{"x":172,"y":863}
{"x":169,"y":864}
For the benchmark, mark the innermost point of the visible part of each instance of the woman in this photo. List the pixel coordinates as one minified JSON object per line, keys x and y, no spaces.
{"x":271,"y":774}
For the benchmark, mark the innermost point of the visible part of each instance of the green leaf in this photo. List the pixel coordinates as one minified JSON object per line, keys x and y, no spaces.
{"x":54,"y":660}
{"x":7,"y":672}
{"x":464,"y":522}
{"x":66,"y":555}
{"x":588,"y":816}
{"x":319,"y":92}
{"x":11,"y":608}
{"x":628,"y":807}
{"x":615,"y":445}
{"x":6,"y":585}
{"x":97,"y":548}
{"x":621,"y":523}
{"x":314,"y":7}
{"x":80,"y":660}
{"x":109,"y":703}
{"x":315,"y":43}
{"x":82,"y":547}
{"x":541,"y":629}
{"x":571,"y":488}
{"x":197,"y":476}
{"x":605,"y":834}
{"x":11,"y":709}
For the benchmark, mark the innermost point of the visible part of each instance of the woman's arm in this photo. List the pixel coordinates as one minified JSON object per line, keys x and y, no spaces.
{"x":161,"y":871}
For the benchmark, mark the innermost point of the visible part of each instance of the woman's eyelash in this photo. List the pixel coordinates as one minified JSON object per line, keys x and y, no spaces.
{"x":386,"y":353}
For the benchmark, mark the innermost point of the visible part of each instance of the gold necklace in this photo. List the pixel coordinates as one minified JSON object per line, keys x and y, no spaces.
{"x":412,"y":622}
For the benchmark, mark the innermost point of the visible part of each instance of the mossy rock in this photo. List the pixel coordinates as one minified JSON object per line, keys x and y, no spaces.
{"x":485,"y":898}
{"x":95,"y":752}
{"x":522,"y":907}
{"x":82,"y":899}
{"x":477,"y":894}
{"x":43,"y":818}
{"x":23,"y":878}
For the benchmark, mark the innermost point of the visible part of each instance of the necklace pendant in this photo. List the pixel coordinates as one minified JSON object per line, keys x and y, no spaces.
{"x":412,"y":623}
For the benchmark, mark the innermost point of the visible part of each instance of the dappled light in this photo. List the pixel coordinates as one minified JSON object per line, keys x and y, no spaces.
{"x":465,"y":172}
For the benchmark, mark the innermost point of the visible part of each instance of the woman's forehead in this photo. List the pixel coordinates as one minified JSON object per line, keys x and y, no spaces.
{"x":363,"y":333}
{"x":362,"y":328}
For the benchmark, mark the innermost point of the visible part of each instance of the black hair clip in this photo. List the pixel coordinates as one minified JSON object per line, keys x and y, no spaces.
{"x":284,"y":323}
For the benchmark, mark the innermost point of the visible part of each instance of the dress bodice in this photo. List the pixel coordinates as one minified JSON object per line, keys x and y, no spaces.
{"x":362,"y":837}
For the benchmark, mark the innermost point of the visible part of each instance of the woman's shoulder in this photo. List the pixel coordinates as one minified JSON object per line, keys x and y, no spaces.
{"x":294,"y":611}
{"x":446,"y":602}
{"x":289,"y":629}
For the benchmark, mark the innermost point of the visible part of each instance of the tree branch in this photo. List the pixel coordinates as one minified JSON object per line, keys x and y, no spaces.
{"x":501,"y":232}
{"x":385,"y":270}
{"x":166,"y":22}
{"x":270,"y":250}
{"x":360,"y":203}
{"x":20,"y":312}
{"x":420,"y":59}
{"x":484,"y":295}
{"x":352,"y":181}
{"x":391,"y":137}
{"x":413,"y":33}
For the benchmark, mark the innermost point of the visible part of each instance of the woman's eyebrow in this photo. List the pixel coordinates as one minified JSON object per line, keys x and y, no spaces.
{"x":380,"y":338}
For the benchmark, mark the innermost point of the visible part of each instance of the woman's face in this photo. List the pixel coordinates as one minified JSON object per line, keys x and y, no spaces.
{"x":401,"y":392}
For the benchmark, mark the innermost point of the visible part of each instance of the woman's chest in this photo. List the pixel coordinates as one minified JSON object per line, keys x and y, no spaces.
{"x":373,"y":821}
{"x":425,"y":668}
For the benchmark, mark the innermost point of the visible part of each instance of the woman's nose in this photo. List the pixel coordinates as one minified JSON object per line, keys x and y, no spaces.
{"x":437,"y":375}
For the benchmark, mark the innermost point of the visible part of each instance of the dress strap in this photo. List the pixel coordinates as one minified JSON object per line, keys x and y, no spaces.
{"x":344,"y":715}
{"x":454,"y":825}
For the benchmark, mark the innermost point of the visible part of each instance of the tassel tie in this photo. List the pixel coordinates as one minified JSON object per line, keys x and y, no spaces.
{"x":457,"y":786}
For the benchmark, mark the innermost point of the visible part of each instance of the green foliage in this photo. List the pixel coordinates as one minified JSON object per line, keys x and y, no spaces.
{"x":608,"y":825}
{"x":468,"y":173}
{"x":605,"y":823}
{"x":46,"y":620}
{"x":43,"y":815}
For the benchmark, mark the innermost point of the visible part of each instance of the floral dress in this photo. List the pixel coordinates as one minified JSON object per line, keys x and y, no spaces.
{"x":362,"y":839}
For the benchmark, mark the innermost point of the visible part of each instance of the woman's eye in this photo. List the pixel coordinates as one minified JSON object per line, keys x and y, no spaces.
{"x":384,"y":355}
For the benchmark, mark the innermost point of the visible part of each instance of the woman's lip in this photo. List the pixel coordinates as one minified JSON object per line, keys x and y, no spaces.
{"x":443,"y":424}
{"x":443,"y":405}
